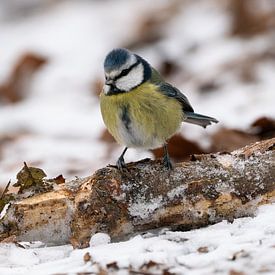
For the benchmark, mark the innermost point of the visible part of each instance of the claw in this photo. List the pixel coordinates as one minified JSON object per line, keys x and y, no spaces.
{"x":120,"y":162}
{"x":166,"y":159}
{"x":167,"y":163}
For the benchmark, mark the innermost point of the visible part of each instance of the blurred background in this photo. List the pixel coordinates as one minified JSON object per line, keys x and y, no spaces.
{"x":220,"y":53}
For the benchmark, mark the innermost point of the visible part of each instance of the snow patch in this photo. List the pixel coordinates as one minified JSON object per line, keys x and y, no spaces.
{"x":225,"y":160}
{"x":178,"y":191}
{"x":99,"y":239}
{"x":144,"y":209}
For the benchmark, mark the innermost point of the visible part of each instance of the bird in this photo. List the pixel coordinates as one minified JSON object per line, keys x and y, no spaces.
{"x":139,"y":108}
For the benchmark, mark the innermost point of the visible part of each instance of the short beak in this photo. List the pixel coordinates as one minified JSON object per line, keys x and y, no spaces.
{"x":109,"y":86}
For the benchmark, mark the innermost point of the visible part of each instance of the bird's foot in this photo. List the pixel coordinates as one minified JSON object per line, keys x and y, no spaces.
{"x":167,"y":162}
{"x":120,"y":164}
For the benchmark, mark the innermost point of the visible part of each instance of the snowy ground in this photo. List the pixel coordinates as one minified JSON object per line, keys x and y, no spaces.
{"x":246,"y":246}
{"x":59,"y":124}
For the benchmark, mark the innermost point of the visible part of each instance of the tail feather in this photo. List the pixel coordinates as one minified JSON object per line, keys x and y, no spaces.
{"x":199,"y":119}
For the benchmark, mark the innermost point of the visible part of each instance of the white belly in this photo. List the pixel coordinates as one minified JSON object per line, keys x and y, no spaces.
{"x":134,"y":136}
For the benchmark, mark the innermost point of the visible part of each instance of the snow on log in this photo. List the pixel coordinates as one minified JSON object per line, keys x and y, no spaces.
{"x":202,"y":191}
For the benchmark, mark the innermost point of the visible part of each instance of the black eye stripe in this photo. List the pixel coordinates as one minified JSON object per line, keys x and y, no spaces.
{"x":126,"y":71}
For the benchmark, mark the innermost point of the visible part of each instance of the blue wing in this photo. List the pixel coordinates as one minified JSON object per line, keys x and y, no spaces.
{"x":190,"y":116}
{"x":172,"y":91}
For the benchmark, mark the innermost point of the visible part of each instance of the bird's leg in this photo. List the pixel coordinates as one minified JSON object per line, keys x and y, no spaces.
{"x":166,"y":158}
{"x":120,"y":162}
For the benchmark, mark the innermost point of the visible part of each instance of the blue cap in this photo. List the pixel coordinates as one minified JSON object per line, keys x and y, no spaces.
{"x":115,"y":59}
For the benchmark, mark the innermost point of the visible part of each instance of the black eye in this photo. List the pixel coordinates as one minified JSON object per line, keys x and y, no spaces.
{"x":105,"y":77}
{"x":124,"y":72}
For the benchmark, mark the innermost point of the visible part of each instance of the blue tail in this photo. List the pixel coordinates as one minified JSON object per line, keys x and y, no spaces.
{"x":198,"y":119}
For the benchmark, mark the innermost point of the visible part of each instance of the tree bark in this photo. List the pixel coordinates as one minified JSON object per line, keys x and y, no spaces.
{"x":205,"y":190}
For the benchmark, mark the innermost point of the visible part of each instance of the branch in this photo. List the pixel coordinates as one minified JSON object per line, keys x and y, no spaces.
{"x":203,"y":191}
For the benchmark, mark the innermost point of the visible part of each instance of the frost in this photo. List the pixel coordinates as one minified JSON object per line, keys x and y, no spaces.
{"x":145,"y":209}
{"x":178,"y":191}
{"x":225,"y":160}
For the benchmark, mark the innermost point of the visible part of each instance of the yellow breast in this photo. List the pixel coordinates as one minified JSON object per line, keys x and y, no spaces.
{"x":142,"y":117}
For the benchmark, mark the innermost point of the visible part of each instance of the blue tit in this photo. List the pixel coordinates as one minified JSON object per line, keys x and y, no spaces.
{"x":139,"y":108}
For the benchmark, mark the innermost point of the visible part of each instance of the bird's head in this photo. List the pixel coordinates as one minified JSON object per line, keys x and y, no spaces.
{"x":124,"y":71}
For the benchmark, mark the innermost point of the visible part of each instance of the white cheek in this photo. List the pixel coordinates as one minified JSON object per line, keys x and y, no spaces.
{"x":131,"y":80}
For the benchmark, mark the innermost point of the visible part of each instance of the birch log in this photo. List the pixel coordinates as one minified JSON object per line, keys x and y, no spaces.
{"x":202,"y":191}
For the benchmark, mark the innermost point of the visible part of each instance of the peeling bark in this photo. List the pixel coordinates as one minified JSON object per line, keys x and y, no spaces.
{"x":203,"y":191}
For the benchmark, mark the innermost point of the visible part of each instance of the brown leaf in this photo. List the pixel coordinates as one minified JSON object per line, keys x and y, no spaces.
{"x":167,"y":272}
{"x":239,"y":254}
{"x":208,"y":86}
{"x":234,"y":272}
{"x":59,"y":179}
{"x":264,"y":127}
{"x":102,"y":271}
{"x":29,"y":176}
{"x":16,"y":86}
{"x":249,"y":19}
{"x":179,"y":148}
{"x":168,"y":68}
{"x":149,"y":27}
{"x":203,"y":249}
{"x":112,"y":265}
{"x":87,"y":257}
{"x":149,"y":265}
{"x":226,"y":140}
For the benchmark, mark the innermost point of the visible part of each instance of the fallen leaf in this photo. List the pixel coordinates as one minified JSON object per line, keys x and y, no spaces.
{"x":112,"y":265}
{"x":239,"y":254}
{"x":234,"y":272}
{"x":59,"y":179}
{"x":16,"y":86}
{"x":179,"y":148}
{"x":87,"y":257}
{"x":227,"y":140}
{"x":29,"y":176}
{"x":149,"y":265}
{"x":168,"y":67}
{"x":203,"y":249}
{"x":247,"y":21}
{"x":264,"y":127}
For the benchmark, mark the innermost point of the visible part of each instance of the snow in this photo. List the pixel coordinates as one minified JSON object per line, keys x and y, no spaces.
{"x":144,"y":209}
{"x":246,"y":245}
{"x":99,"y":239}
{"x":58,"y":126}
